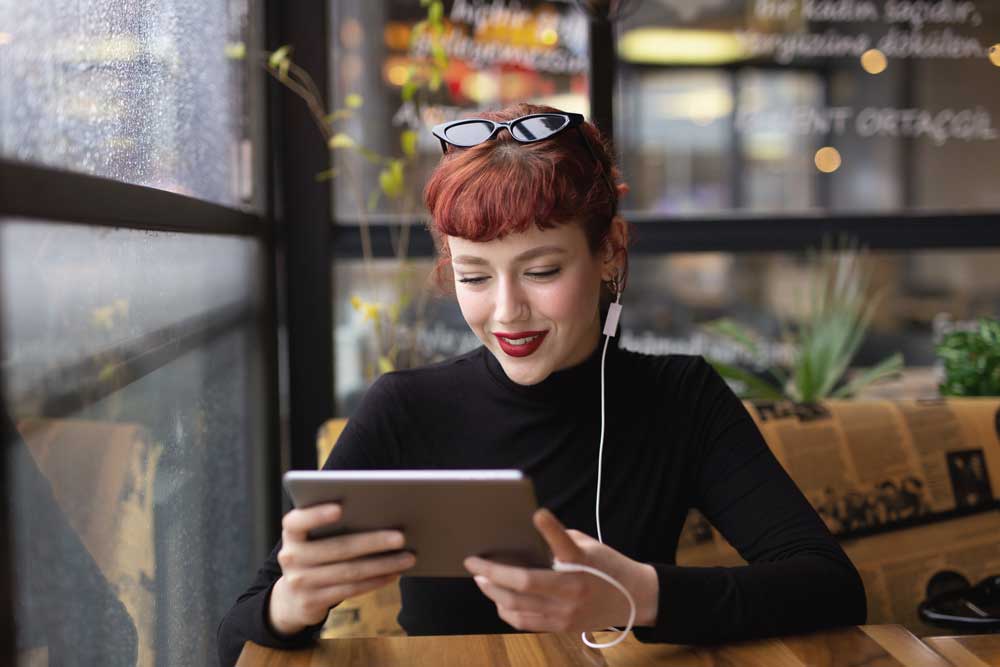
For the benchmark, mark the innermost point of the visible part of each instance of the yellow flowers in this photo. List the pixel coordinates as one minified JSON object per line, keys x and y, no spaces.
{"x":391,"y":180}
{"x":280,"y":56}
{"x":236,"y":51}
{"x":341,"y":140}
{"x":408,"y":142}
{"x":104,"y":317}
{"x":281,"y":60}
{"x":369,"y":310}
{"x":372,"y":312}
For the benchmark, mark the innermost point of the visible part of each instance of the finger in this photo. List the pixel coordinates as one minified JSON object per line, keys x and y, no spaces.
{"x":520,"y":602}
{"x":332,"y":595}
{"x":562,"y":545}
{"x":530,"y":622}
{"x":298,"y":522}
{"x":341,"y":548}
{"x":358,"y":569}
{"x":582,"y":539}
{"x":520,"y":579}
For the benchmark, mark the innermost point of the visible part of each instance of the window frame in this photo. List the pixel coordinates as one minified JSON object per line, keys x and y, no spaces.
{"x":39,"y":194}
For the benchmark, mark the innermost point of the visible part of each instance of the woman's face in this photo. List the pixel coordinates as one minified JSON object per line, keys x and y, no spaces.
{"x":531,"y":298}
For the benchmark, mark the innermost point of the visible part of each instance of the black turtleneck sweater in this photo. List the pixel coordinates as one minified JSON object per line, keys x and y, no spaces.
{"x":677,"y":438}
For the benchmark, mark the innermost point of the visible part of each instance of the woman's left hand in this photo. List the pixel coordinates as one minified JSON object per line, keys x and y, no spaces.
{"x":537,"y":600}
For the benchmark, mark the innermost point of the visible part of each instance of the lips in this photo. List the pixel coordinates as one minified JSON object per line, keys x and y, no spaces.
{"x":521,"y":343}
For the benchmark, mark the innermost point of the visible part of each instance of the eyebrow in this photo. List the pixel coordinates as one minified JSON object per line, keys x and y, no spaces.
{"x":523,"y":257}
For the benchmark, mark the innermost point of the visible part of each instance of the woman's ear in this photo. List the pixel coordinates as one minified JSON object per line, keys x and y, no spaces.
{"x":614,"y":250}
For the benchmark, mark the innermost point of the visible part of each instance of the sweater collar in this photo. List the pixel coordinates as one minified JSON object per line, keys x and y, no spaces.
{"x":568,"y":383}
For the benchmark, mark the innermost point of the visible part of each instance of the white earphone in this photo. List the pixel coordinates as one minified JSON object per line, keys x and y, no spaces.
{"x":610,"y":326}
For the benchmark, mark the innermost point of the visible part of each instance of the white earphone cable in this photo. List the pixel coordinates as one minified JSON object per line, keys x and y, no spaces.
{"x":600,"y":447}
{"x":610,"y":326}
{"x":559,"y":566}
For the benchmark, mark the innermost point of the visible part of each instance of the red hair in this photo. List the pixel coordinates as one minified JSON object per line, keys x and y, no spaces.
{"x":501,"y":187}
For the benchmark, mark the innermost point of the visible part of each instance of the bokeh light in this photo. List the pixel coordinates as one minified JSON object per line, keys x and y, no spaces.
{"x":828,"y":159}
{"x":397,"y":36}
{"x":549,"y":37}
{"x":874,"y":61}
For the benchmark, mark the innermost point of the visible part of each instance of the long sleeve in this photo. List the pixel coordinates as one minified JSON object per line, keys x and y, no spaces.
{"x":797,"y":578}
{"x":247,"y":620}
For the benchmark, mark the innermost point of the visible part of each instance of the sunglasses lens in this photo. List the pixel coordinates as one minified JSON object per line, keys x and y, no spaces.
{"x":468,"y":134}
{"x":538,"y":127}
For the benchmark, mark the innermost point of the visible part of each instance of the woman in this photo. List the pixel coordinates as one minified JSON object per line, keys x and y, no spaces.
{"x":525,"y":216}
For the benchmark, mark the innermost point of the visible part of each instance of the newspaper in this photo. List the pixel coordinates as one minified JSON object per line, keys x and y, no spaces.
{"x":872,"y":465}
{"x":872,"y":468}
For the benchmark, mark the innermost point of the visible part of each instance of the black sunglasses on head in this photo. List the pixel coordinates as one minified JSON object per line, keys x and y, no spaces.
{"x":528,"y":129}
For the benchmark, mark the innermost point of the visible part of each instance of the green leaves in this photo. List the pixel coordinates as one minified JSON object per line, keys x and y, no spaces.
{"x":837,"y":311}
{"x":435,"y":12}
{"x":439,"y":55}
{"x":409,"y":90}
{"x":735,"y":332}
{"x":754,"y":387}
{"x":887,"y":368}
{"x":972,"y":360}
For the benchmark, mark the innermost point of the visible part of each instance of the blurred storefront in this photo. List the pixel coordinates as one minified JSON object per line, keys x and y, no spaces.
{"x":747,"y":132}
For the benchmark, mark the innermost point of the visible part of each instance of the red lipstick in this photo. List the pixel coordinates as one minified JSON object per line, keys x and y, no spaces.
{"x":526,"y":342}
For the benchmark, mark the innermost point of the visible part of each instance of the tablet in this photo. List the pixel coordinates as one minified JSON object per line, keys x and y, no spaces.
{"x":445,"y":515}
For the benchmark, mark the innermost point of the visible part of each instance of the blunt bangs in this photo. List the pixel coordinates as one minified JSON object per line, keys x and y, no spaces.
{"x":487,"y":192}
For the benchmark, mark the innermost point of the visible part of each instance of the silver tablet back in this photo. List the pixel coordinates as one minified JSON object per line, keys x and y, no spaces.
{"x":446,"y":516}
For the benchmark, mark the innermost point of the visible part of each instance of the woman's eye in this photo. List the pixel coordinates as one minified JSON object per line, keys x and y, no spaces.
{"x":472,"y":281}
{"x":543,"y":274}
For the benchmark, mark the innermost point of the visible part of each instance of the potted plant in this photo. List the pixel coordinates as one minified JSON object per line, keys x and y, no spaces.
{"x":971,"y":360}
{"x":838,"y":307}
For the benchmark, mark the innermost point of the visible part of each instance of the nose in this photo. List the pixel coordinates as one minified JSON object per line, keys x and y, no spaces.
{"x":510,"y":305}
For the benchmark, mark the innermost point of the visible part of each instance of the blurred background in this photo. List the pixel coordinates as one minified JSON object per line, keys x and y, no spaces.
{"x":212,"y":241}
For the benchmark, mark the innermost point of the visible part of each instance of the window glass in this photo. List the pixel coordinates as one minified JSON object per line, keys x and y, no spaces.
{"x":142,"y":92}
{"x":133,"y":377}
{"x":671,"y":300}
{"x":788,"y":107}
{"x":388,"y":58}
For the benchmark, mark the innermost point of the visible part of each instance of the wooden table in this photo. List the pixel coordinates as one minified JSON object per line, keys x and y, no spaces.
{"x":970,"y":651}
{"x":865,"y":645}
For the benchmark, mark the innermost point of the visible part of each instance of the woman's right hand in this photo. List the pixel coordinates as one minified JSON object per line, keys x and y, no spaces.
{"x":317,"y":574}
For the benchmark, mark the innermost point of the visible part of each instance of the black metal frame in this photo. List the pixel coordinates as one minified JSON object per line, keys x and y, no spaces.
{"x":603,"y":62}
{"x":7,"y":620}
{"x":99,"y":202}
{"x":655,"y":235}
{"x":65,"y":390}
{"x":303,"y":209}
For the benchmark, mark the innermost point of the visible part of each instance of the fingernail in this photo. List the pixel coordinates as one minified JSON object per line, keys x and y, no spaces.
{"x":481,"y":580}
{"x":332,"y":511}
{"x":396,"y":540}
{"x":471,"y":563}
